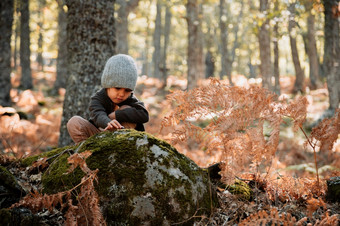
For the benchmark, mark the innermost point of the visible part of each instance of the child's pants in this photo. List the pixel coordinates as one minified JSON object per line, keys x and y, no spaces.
{"x":80,"y":129}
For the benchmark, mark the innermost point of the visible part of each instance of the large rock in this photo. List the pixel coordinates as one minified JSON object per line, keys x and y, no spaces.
{"x":333,"y":189}
{"x":10,"y":190}
{"x":142,"y":180}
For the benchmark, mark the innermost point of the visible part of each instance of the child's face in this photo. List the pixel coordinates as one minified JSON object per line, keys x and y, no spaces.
{"x":118,"y":95}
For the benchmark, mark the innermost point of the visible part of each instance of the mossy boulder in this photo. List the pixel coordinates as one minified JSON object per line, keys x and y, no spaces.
{"x":10,"y":190}
{"x":333,"y":189}
{"x":142,"y":180}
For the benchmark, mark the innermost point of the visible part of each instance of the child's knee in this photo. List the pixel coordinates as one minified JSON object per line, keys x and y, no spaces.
{"x":124,"y":107}
{"x":74,"y":122}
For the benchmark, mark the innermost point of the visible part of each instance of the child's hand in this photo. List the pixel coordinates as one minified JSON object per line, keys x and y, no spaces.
{"x":113,"y":125}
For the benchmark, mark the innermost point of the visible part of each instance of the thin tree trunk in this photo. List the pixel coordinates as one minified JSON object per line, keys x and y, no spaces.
{"x":156,"y":56}
{"x":236,"y":42}
{"x":299,"y":74}
{"x":224,"y":42}
{"x":277,"y":88}
{"x":195,"y":44}
{"x":90,"y":42}
{"x":40,"y":61}
{"x":332,"y":53}
{"x":166,"y":35}
{"x":40,"y":49}
{"x":61,"y":78}
{"x":265,"y":51}
{"x":145,"y":54}
{"x":312,"y":53}
{"x":25,"y":52}
{"x":6,"y":21}
{"x":122,"y":25}
{"x":17,"y":32}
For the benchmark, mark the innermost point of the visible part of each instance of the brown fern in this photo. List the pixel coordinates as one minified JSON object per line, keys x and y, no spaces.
{"x":244,"y":123}
{"x":86,"y":211}
{"x":271,"y":217}
{"x":328,"y":220}
{"x":327,"y":132}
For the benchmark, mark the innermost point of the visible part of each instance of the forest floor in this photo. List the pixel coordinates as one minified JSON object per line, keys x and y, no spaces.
{"x":36,"y":129}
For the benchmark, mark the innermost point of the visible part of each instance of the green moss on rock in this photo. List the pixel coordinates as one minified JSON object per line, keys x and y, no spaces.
{"x":241,"y":189}
{"x":142,"y":179}
{"x":30,"y":160}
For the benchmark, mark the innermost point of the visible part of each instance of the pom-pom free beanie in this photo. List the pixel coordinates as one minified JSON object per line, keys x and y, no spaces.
{"x":120,"y":71}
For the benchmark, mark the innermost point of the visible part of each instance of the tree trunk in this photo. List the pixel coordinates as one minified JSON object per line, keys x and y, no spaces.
{"x":61,"y":78}
{"x":299,"y":74}
{"x":265,"y":53}
{"x":224,"y":42}
{"x":6,"y":21}
{"x":332,"y":52}
{"x":145,"y":54}
{"x":40,"y":60}
{"x":25,"y":52}
{"x":311,"y":50}
{"x":195,"y":44}
{"x":122,"y":25}
{"x":156,"y":56}
{"x":166,"y":36}
{"x":209,"y":65}
{"x":17,"y":32}
{"x":236,"y":41}
{"x":277,"y":88}
{"x":90,"y":41}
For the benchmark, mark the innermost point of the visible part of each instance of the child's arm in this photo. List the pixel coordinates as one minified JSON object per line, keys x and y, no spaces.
{"x":99,"y":106}
{"x":137,"y":112}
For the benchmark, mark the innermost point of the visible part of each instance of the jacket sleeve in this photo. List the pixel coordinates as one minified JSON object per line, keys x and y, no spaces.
{"x":98,"y":113}
{"x":136,"y":114}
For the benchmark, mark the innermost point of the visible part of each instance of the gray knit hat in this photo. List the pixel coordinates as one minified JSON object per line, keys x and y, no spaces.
{"x":120,"y":71}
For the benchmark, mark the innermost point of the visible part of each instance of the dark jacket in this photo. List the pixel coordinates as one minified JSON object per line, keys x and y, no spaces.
{"x":101,"y":106}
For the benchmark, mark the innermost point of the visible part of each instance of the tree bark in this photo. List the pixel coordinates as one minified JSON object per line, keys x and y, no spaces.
{"x":265,"y":51}
{"x":6,"y":21}
{"x":209,"y":65}
{"x":332,"y":52}
{"x":17,"y":27}
{"x":166,"y":36}
{"x":195,"y":44}
{"x":299,"y":74}
{"x":25,"y":52}
{"x":277,"y":88}
{"x":122,"y":25}
{"x":224,"y":42}
{"x":61,"y":78}
{"x":145,"y":54}
{"x":311,"y":50}
{"x":91,"y":41}
{"x":236,"y":41}
{"x":156,"y":56}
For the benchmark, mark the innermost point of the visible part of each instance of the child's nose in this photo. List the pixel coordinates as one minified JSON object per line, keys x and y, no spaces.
{"x":121,"y":92}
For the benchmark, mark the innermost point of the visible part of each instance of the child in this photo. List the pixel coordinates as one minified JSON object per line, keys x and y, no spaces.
{"x":113,"y":107}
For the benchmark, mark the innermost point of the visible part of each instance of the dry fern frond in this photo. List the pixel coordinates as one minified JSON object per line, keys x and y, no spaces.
{"x":87,"y":210}
{"x":36,"y":201}
{"x":244,"y":123}
{"x":328,"y":220}
{"x":272,"y":218}
{"x":287,"y":188}
{"x":327,"y":132}
{"x":78,"y":159}
{"x":297,"y":110}
{"x":314,"y":204}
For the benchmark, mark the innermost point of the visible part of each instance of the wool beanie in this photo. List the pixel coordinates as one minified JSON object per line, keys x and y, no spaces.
{"x":120,"y":71}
